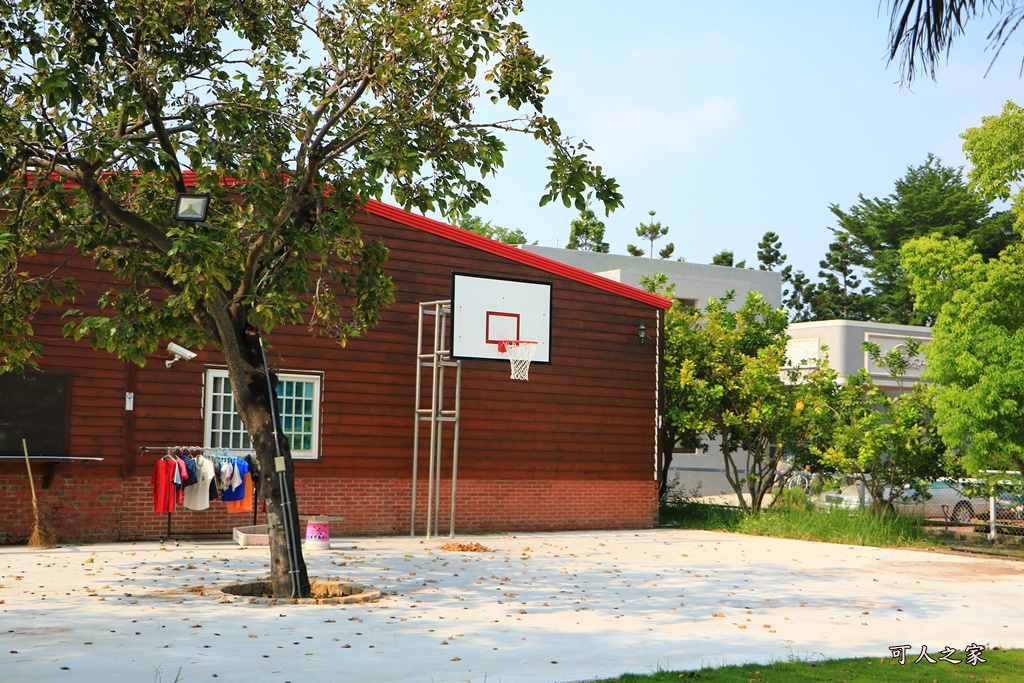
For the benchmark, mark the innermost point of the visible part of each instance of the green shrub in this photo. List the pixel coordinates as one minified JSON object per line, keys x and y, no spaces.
{"x":681,"y":508}
{"x":791,"y":499}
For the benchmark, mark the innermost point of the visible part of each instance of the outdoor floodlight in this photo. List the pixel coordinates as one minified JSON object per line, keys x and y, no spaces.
{"x":191,"y":207}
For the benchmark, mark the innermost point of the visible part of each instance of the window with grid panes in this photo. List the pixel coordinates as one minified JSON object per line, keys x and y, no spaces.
{"x":298,"y":406}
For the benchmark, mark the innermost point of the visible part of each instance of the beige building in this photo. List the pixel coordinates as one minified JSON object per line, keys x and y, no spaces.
{"x":842,"y":341}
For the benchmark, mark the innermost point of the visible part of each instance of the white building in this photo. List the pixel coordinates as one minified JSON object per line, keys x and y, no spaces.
{"x":695,"y":283}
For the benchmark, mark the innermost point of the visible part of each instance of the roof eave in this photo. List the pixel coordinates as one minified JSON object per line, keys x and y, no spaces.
{"x":503,"y":250}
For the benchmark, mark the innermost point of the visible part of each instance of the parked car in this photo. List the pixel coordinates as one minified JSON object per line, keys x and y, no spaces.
{"x":1010,"y":506}
{"x":945,"y":500}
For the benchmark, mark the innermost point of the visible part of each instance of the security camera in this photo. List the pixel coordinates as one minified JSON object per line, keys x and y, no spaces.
{"x":179,"y":352}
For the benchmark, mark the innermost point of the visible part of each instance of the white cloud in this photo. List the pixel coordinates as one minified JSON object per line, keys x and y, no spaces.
{"x":627,"y":134}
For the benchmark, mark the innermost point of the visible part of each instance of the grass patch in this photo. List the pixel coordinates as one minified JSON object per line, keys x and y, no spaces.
{"x":689,"y":514}
{"x":793,"y":516}
{"x":1001,"y":666}
{"x":839,"y":526}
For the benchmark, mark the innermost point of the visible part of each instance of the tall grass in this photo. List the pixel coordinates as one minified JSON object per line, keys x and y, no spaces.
{"x":793,"y":516}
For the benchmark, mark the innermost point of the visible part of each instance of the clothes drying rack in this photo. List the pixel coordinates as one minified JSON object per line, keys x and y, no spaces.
{"x":192,"y":452}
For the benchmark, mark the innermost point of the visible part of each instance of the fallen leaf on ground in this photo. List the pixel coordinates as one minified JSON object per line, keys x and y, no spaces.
{"x":465,"y":547}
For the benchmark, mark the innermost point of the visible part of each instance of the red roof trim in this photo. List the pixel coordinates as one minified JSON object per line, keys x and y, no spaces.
{"x":471,"y":239}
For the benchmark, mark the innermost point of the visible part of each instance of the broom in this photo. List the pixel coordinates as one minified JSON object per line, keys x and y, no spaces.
{"x":42,"y":536}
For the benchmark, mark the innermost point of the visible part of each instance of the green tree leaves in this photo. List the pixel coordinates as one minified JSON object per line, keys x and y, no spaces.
{"x":586,"y":233}
{"x":732,"y":389}
{"x":996,"y":152}
{"x":495,"y":232}
{"x":930,"y":198}
{"x":355,"y":97}
{"x":889,"y":442}
{"x":975,"y":357}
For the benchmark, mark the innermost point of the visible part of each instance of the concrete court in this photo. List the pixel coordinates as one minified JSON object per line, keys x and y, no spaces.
{"x":538,"y":607}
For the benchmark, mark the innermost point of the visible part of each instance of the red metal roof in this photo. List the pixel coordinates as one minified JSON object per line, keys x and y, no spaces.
{"x":471,"y":239}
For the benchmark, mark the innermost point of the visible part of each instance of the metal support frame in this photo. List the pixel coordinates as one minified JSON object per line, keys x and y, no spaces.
{"x":438,"y":360}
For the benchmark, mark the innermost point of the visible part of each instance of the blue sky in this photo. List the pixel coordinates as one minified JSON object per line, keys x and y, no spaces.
{"x":733,"y":118}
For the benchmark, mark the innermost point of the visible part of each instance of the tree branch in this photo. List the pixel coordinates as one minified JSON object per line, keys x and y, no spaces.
{"x":356,"y":95}
{"x":104,"y":204}
{"x":149,"y":99}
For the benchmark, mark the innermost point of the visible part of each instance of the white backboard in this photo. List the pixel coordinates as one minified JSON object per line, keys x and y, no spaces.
{"x":486,"y":310}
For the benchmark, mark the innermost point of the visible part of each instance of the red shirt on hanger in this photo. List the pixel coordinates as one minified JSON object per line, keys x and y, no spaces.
{"x":162,"y":481}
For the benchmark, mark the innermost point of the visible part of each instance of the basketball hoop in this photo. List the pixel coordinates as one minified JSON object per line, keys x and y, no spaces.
{"x":520,"y":353}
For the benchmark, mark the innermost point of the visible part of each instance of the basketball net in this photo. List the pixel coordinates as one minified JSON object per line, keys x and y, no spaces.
{"x":520,"y":353}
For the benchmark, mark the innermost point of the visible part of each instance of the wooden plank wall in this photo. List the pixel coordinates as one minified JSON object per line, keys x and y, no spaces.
{"x":589,"y":415}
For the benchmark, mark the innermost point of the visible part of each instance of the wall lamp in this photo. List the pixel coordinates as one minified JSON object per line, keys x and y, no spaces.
{"x":191,"y":207}
{"x":641,"y":333}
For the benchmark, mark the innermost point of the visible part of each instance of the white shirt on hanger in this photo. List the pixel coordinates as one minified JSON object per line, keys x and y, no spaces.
{"x":197,"y":497}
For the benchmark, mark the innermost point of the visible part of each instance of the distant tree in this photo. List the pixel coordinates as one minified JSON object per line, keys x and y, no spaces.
{"x":798,"y":298}
{"x":838,"y":293}
{"x":652,"y":232}
{"x":634,"y":250}
{"x":586,"y":233}
{"x":769,"y":252}
{"x":797,"y":290}
{"x":922,"y":32}
{"x":725,"y":258}
{"x":495,"y":232}
{"x":997,"y":232}
{"x":930,"y":198}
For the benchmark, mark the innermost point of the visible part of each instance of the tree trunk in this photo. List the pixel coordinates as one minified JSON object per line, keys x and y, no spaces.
{"x":278,"y":491}
{"x":761,"y":471}
{"x":731,"y":471}
{"x":668,"y":446}
{"x":252,"y":401}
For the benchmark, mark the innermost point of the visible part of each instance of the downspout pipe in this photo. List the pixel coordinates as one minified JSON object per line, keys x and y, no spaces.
{"x":279,"y":465}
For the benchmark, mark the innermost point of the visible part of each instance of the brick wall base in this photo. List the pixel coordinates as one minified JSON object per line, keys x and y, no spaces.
{"x":95,"y":509}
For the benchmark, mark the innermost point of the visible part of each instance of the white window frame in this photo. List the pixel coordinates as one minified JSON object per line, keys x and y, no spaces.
{"x":210,"y":400}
